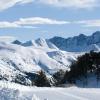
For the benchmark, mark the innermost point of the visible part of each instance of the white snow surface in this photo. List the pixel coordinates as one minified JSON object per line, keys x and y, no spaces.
{"x":12,"y":91}
{"x":18,"y":59}
{"x":40,"y":43}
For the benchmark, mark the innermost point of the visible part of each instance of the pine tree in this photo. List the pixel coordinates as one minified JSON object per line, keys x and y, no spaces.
{"x":58,"y":76}
{"x":42,"y":80}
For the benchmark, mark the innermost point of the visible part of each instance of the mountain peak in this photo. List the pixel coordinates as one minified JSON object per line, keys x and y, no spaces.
{"x":30,"y":43}
{"x":41,"y":42}
{"x":77,"y":43}
{"x":17,"y":42}
{"x":97,"y":33}
{"x":82,"y":35}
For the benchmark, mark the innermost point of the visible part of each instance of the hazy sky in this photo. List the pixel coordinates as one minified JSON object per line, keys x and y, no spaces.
{"x":31,"y":19}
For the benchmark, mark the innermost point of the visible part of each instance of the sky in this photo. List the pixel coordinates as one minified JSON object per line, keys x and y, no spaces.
{"x":32,"y":19}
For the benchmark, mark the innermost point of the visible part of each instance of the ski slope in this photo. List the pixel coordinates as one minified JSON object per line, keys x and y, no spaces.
{"x":11,"y":91}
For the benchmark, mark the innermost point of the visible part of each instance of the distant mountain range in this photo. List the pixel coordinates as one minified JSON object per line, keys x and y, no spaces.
{"x":17,"y":58}
{"x":81,"y":43}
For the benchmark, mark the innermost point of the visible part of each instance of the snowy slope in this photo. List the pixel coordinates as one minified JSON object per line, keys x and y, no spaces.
{"x":11,"y":91}
{"x":40,"y":43}
{"x":19,"y":59}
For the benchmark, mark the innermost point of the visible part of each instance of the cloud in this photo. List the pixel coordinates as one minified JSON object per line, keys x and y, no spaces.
{"x":5,"y":24}
{"x":7,"y":38}
{"x":25,"y":1}
{"x":5,"y":4}
{"x":38,"y":20}
{"x":89,"y":23}
{"x":30,"y":22}
{"x":71,"y":3}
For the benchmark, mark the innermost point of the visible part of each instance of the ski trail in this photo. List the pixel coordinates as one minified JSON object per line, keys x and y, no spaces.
{"x":73,"y":96}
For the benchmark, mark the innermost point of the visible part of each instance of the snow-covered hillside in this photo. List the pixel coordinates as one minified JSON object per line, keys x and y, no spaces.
{"x":32,"y":57}
{"x":17,"y":59}
{"x":11,"y":91}
{"x":39,"y":43}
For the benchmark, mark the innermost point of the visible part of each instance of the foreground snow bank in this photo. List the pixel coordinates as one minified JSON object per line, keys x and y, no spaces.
{"x":12,"y":91}
{"x":10,"y":94}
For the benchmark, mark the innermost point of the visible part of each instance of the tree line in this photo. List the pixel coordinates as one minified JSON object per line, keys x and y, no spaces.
{"x":87,"y":64}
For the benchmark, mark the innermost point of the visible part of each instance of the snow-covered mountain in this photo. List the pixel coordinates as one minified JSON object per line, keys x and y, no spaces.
{"x":81,"y":43}
{"x":17,"y":42}
{"x":30,"y":57}
{"x":17,"y":58}
{"x":40,"y":43}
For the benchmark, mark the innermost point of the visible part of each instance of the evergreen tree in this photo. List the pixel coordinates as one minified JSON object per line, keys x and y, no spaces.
{"x":42,"y":80}
{"x":86,"y":64}
{"x":59,"y":77}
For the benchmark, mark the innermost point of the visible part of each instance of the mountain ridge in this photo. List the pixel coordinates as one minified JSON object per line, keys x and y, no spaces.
{"x":78,"y":43}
